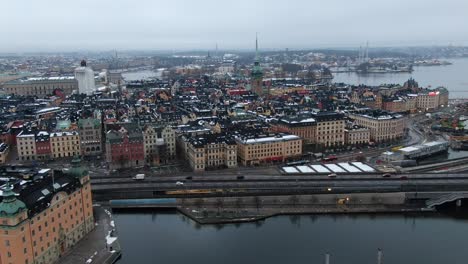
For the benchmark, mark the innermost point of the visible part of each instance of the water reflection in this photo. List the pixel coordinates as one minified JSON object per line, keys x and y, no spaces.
{"x":171,"y":238}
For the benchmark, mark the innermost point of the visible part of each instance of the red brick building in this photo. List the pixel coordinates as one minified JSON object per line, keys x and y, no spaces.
{"x":125,"y":147}
{"x":43,"y":151}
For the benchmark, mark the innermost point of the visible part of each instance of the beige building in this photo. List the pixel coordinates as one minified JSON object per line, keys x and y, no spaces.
{"x":41,"y":86}
{"x":357,"y":135}
{"x":263,"y":149}
{"x":65,"y":144}
{"x":90,"y":130}
{"x":324,"y":128}
{"x":26,"y":145}
{"x":211,"y":151}
{"x":159,"y":144}
{"x":429,"y":100}
{"x":383,"y":126}
{"x":43,"y":219}
{"x":330,"y":129}
{"x":4,"y":151}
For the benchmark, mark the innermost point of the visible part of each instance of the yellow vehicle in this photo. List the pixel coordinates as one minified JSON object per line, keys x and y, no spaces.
{"x":194,"y":191}
{"x":395,"y":149}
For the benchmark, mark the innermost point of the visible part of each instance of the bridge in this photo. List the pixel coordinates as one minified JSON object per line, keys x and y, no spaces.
{"x":431,"y":203}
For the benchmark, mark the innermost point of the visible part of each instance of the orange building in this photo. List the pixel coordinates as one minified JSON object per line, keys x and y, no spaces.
{"x":42,"y":219}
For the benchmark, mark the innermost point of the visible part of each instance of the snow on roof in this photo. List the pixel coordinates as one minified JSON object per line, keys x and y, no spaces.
{"x":270,"y":139}
{"x":408,"y":149}
{"x":335,"y":168}
{"x":305,"y":169}
{"x":290,"y":170}
{"x":41,"y":171}
{"x":320,"y":168}
{"x":348,"y":167}
{"x":363,"y":167}
{"x":48,"y":109}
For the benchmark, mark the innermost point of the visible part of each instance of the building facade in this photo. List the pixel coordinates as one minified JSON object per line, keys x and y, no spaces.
{"x":124,"y":148}
{"x":323,"y":128}
{"x":90,"y":130}
{"x":267,"y":148}
{"x":85,"y":78}
{"x":383,"y":126}
{"x":65,"y":144}
{"x":41,"y":86}
{"x":43,"y":150}
{"x":26,"y":145}
{"x":357,"y":135}
{"x":159,"y":144}
{"x":211,"y":151}
{"x":4,"y":152}
{"x":42,"y":220}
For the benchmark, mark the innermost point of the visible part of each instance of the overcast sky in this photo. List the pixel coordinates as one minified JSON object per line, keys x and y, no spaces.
{"x":65,"y":25}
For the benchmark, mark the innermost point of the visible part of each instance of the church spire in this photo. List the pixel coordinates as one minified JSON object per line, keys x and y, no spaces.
{"x":256,"y":46}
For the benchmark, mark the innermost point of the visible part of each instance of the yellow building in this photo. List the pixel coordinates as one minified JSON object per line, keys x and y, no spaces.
{"x":65,"y":144}
{"x":4,"y":151}
{"x":324,"y":128}
{"x":43,"y":219}
{"x":357,"y":135}
{"x":26,"y":145}
{"x":267,"y":148}
{"x":211,"y":151}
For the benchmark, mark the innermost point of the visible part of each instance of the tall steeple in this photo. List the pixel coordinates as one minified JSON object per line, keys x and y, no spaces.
{"x":257,"y":72}
{"x":256,"y":46}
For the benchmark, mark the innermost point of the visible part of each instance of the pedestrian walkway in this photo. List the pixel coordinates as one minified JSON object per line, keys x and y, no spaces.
{"x":99,"y":246}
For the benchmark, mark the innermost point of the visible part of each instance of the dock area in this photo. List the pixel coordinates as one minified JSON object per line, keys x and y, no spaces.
{"x":222,"y":210}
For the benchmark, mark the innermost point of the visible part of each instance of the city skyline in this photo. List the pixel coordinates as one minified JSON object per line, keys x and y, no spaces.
{"x":149,"y":25}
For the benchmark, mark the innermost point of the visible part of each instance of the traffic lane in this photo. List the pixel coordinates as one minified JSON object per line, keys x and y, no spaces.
{"x":290,"y":184}
{"x":228,"y":178}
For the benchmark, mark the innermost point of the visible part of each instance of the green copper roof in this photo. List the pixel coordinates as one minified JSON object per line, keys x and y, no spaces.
{"x":77,"y":170}
{"x":10,"y":205}
{"x":257,"y":71}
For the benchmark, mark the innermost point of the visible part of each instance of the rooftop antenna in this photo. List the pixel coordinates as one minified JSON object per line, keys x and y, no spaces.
{"x":360,"y":55}
{"x":367,"y":51}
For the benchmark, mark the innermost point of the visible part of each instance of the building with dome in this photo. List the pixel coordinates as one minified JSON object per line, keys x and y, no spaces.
{"x":85,"y":77}
{"x":43,"y":217}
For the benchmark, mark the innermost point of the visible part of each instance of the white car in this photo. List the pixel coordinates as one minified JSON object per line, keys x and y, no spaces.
{"x":179,"y":183}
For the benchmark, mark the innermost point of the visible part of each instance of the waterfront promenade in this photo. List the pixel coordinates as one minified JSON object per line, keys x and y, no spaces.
{"x":94,"y":248}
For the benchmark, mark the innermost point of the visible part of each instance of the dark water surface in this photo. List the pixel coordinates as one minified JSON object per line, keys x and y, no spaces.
{"x":162,"y":238}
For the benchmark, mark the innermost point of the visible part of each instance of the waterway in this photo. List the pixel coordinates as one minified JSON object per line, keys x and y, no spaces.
{"x":454,"y":77}
{"x":171,"y":238}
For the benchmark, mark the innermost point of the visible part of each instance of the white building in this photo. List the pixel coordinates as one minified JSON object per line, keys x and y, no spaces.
{"x":85,"y":77}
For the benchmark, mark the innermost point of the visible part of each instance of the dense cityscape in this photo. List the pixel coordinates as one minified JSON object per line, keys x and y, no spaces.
{"x":160,"y":133}
{"x":279,"y":113}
